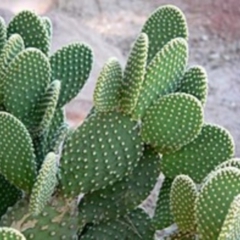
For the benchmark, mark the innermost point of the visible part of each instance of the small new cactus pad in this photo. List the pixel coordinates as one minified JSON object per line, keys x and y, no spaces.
{"x":194,"y":82}
{"x":166,"y":23}
{"x":32,"y":29}
{"x":231,"y":227}
{"x":58,"y":138}
{"x":3,"y":33}
{"x":71,"y":65}
{"x":163,"y":216}
{"x":122,"y":197}
{"x":107,"y":91}
{"x":108,"y":147}
{"x":17,"y":159}
{"x":214,"y":200}
{"x":13,"y":46}
{"x":234,"y":162}
{"x":27,"y":79}
{"x":9,"y":195}
{"x":134,"y":73}
{"x":45,"y":109}
{"x":181,"y":236}
{"x":10,"y":234}
{"x":48,"y":27}
{"x":45,"y":184}
{"x":172,"y":122}
{"x":56,"y":221}
{"x":57,"y":121}
{"x":213,"y":146}
{"x":136,"y":225}
{"x":162,"y":74}
{"x":182,"y":202}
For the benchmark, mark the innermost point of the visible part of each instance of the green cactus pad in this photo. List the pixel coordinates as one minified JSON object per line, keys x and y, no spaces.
{"x":172,"y":122}
{"x":194,"y":82}
{"x":10,"y":234}
{"x":214,"y":201}
{"x":45,"y":184}
{"x":3,"y":34}
{"x":71,"y":65}
{"x":17,"y":159}
{"x":28,"y":77}
{"x":134,"y":74}
{"x":136,"y":225}
{"x":31,"y":28}
{"x":107,"y":91}
{"x":163,"y":217}
{"x":56,"y":222}
{"x":234,"y":162}
{"x":9,"y":195}
{"x":13,"y":46}
{"x":45,"y":109}
{"x":182,"y":201}
{"x":123,"y":196}
{"x":104,"y":149}
{"x":231,"y":227}
{"x":162,"y":74}
{"x":48,"y":27}
{"x":166,"y":23}
{"x":213,"y":146}
{"x":57,"y":122}
{"x":181,"y":236}
{"x":59,"y":138}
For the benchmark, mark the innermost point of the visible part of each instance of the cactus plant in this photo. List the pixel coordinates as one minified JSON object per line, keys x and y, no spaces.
{"x":147,"y":118}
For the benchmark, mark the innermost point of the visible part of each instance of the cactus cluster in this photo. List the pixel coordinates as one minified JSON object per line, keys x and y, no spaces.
{"x":147,"y":119}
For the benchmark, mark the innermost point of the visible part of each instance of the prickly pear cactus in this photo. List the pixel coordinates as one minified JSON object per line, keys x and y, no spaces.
{"x":148,"y":118}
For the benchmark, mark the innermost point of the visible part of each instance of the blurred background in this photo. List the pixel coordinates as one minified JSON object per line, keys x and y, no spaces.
{"x":110,"y":27}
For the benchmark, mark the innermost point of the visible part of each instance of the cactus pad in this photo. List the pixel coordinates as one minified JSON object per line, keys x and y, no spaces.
{"x":28,"y":77}
{"x":48,"y":27}
{"x":172,"y":122}
{"x":57,"y":122}
{"x":123,"y":196}
{"x":162,"y":74}
{"x":3,"y":34}
{"x":13,"y":46}
{"x":135,"y":225}
{"x":31,"y":28}
{"x":163,"y":217}
{"x":213,"y":146}
{"x":56,"y":221}
{"x":9,"y":195}
{"x":214,"y":200}
{"x":107,"y":91}
{"x":45,"y":184}
{"x":108,"y":147}
{"x":134,"y":74}
{"x":182,"y":201}
{"x":234,"y":162}
{"x":71,"y":65}
{"x":45,"y":109}
{"x":231,"y":226}
{"x":165,"y":24}
{"x":194,"y":82}
{"x":10,"y":234}
{"x":17,"y":159}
